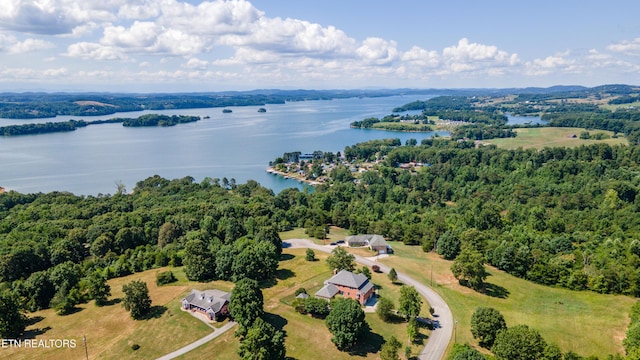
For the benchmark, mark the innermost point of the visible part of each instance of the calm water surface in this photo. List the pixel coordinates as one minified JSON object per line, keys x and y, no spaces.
{"x":237,"y":145}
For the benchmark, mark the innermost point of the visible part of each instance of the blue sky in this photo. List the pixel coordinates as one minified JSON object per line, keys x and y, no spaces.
{"x":193,"y":45}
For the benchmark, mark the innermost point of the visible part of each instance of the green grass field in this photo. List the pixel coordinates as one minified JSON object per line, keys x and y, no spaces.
{"x":552,"y":136}
{"x":111,"y":332}
{"x":619,"y":106}
{"x":307,"y":337}
{"x":584,"y":322}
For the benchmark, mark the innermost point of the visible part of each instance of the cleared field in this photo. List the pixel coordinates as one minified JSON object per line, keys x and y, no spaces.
{"x":584,"y":322}
{"x":110,"y":330}
{"x":621,"y":106}
{"x":307,"y":337}
{"x":552,"y":137}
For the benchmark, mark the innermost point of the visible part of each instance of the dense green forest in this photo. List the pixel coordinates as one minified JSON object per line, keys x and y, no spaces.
{"x":564,"y":217}
{"x":71,"y":125}
{"x":557,"y":216}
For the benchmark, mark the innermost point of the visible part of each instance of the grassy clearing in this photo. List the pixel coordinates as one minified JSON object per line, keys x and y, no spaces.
{"x":308,"y":337}
{"x":584,"y":322}
{"x":552,"y":136}
{"x":110,"y":331}
{"x":615,"y":107}
{"x":335,"y":234}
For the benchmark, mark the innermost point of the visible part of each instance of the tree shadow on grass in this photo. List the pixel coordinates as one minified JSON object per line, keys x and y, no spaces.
{"x":285,"y":257}
{"x":370,"y":343}
{"x":494,"y":290}
{"x":276,"y":320}
{"x":113,"y":301}
{"x":155,"y":312}
{"x":74,"y":310}
{"x":395,"y":319}
{"x":34,"y":320}
{"x":31,"y":334}
{"x":420,"y":338}
{"x":283,"y":274}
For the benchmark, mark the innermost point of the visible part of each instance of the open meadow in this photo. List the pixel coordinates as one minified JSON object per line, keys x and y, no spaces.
{"x":308,"y":337}
{"x":111,"y":332}
{"x":582,"y":321}
{"x":541,"y":137}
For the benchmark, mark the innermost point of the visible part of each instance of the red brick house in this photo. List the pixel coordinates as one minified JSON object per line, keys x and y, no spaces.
{"x":349,"y":285}
{"x":212,"y":303}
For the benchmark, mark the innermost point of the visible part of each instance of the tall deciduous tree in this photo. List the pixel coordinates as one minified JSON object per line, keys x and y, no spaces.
{"x":485,"y":324}
{"x":390,"y":349}
{"x":518,"y":343}
{"x":410,"y":302}
{"x":340,"y":259}
{"x":346,"y":323}
{"x":136,"y":299}
{"x":199,"y":262}
{"x":384,"y":309}
{"x":98,"y":288}
{"x":12,"y":321}
{"x":448,"y":245}
{"x":468,"y":268}
{"x":246,"y":304}
{"x":262,"y":342}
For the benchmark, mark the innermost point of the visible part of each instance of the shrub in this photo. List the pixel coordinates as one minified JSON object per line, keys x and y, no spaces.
{"x":300,"y":291}
{"x":165,"y":277}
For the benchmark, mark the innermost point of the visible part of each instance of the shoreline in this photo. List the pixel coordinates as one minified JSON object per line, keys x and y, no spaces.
{"x":289,"y":176}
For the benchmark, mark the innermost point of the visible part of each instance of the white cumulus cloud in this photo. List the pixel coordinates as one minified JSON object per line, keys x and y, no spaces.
{"x":378,"y":51}
{"x":30,"y":45}
{"x":627,"y":47}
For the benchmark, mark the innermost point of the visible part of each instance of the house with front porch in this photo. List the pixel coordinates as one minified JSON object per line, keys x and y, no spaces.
{"x":212,"y":303}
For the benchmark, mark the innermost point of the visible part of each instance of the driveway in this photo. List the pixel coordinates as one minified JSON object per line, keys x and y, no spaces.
{"x":440,"y":337}
{"x":198,"y":342}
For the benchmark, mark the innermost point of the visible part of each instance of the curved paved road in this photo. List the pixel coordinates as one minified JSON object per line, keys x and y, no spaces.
{"x":440,"y":337}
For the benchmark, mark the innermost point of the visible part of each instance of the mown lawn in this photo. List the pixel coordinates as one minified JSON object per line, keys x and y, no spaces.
{"x":110,"y":330}
{"x":308,"y":337}
{"x":552,"y":136}
{"x":584,"y":322}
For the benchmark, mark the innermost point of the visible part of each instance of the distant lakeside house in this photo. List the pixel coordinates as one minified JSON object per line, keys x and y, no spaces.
{"x":212,"y":303}
{"x":376,"y":243}
{"x":349,"y":285}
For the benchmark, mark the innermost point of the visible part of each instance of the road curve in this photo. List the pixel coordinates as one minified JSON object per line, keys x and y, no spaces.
{"x":440,"y":337}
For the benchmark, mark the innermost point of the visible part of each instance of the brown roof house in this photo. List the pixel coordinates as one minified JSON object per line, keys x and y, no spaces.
{"x":213,"y":303}
{"x":349,"y":285}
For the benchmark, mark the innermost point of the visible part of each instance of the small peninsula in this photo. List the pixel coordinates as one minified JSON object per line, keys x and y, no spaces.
{"x":72,"y":125}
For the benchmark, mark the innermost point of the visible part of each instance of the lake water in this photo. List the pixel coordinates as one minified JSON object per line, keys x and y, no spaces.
{"x":520,"y":120}
{"x":238,"y":145}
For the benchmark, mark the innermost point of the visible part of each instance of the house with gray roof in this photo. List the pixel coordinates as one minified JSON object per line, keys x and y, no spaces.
{"x":375,"y":242}
{"x":349,"y":285}
{"x":213,"y":303}
{"x":378,"y":244}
